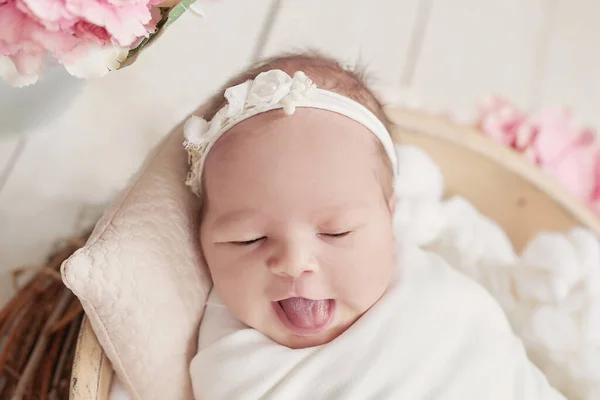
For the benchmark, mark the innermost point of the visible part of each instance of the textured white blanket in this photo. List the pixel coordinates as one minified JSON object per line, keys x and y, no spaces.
{"x":434,"y":335}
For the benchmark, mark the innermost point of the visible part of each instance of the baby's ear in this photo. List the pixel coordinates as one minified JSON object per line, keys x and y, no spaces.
{"x":392,"y":203}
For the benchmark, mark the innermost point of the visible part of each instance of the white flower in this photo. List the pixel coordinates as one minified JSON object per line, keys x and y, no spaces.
{"x":98,"y":61}
{"x":590,"y":323}
{"x":269,"y":88}
{"x":498,"y":281}
{"x":549,"y":269}
{"x":302,"y":88}
{"x":524,"y":135}
{"x":538,"y":285}
{"x":592,"y":283}
{"x":419,"y":177}
{"x":196,"y":130}
{"x":587,"y":247}
{"x":9,"y":72}
{"x":470,"y":241}
{"x":585,"y":366}
{"x":576,"y":301}
{"x":236,"y":97}
{"x":553,"y":329}
{"x":419,"y":221}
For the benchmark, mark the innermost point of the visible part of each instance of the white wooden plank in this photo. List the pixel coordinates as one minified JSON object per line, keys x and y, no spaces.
{"x":374,"y":34}
{"x":86,"y":155}
{"x":570,"y":73}
{"x":8,"y":146}
{"x":473,"y":48}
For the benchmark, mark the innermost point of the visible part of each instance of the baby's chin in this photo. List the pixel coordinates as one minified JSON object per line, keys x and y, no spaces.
{"x":302,"y":342}
{"x":289,"y":337}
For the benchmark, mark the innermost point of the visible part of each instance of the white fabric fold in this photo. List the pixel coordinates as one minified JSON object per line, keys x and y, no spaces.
{"x":435,"y":334}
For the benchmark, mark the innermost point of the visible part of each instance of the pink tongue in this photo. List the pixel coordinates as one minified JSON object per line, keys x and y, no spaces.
{"x":304,"y":313}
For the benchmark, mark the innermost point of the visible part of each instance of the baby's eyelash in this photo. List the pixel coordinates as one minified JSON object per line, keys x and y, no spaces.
{"x":248,"y":242}
{"x":337,"y":235}
{"x":252,"y":241}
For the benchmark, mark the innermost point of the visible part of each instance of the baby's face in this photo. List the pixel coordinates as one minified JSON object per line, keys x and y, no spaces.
{"x":297,"y":232}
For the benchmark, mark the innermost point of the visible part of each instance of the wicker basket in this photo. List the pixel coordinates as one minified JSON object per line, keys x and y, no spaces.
{"x":500,"y":183}
{"x":38,"y":332}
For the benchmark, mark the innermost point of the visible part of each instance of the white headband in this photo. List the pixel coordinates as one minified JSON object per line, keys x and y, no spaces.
{"x":272,"y":90}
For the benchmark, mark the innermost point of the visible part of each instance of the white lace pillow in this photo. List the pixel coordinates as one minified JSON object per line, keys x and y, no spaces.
{"x":141,"y":279}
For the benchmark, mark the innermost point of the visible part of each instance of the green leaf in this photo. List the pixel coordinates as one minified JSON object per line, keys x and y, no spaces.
{"x":169,"y":15}
{"x":178,"y":10}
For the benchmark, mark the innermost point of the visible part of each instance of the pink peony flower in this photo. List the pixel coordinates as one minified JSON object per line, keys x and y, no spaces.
{"x":575,"y":170}
{"x":500,"y":120}
{"x":555,"y":133}
{"x":124,"y":21}
{"x":52,"y":15}
{"x":18,"y":35}
{"x":91,"y":33}
{"x":565,"y":150}
{"x":595,"y":198}
{"x":70,"y":30}
{"x":551,"y":139}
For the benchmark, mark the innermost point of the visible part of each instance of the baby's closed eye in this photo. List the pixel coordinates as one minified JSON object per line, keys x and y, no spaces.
{"x":330,"y":234}
{"x":337,"y":234}
{"x":248,"y":241}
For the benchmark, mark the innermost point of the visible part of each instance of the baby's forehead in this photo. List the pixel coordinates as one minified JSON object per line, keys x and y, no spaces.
{"x":309,"y":133}
{"x":309,"y":150}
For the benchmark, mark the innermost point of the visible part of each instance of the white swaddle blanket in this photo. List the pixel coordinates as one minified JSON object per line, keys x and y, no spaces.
{"x":435,"y":334}
{"x":563,"y":336}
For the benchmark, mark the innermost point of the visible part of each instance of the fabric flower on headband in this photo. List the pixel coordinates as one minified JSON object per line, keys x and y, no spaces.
{"x":272,"y":90}
{"x":269,"y":90}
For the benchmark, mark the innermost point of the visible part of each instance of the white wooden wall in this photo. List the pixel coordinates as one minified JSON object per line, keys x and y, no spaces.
{"x":450,"y":52}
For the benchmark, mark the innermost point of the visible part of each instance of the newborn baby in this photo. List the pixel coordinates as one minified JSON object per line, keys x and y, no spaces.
{"x":313,"y":295}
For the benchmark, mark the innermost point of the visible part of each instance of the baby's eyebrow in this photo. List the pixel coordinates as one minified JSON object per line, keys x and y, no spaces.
{"x":235,"y":217}
{"x":333,"y":215}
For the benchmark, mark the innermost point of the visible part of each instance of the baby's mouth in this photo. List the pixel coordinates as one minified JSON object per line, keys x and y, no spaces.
{"x":304,"y":316}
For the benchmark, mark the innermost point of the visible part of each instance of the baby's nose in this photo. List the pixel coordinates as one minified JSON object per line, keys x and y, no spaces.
{"x":292,"y":261}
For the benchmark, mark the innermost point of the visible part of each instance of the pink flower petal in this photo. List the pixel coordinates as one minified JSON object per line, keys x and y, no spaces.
{"x":155,"y":17}
{"x":91,"y":33}
{"x":52,"y":14}
{"x":576,"y":171}
{"x":90,"y":60}
{"x":8,"y":71}
{"x":556,"y":133}
{"x":595,"y":198}
{"x":125,"y":23}
{"x":525,"y":135}
{"x":494,"y":127}
{"x":531,"y":155}
{"x":502,"y":124}
{"x":13,"y":25}
{"x":491,"y":104}
{"x":29,"y":61}
{"x":18,"y":39}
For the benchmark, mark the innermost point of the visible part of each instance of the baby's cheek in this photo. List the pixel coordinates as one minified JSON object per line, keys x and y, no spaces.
{"x":370,"y":266}
{"x":232,"y":274}
{"x":234,"y":290}
{"x":238,"y":280}
{"x":359,"y":279}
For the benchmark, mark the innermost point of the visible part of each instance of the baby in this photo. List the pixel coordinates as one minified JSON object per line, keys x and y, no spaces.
{"x":313,"y":296}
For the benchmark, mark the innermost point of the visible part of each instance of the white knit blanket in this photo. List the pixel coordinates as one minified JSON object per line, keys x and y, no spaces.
{"x":435,"y":334}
